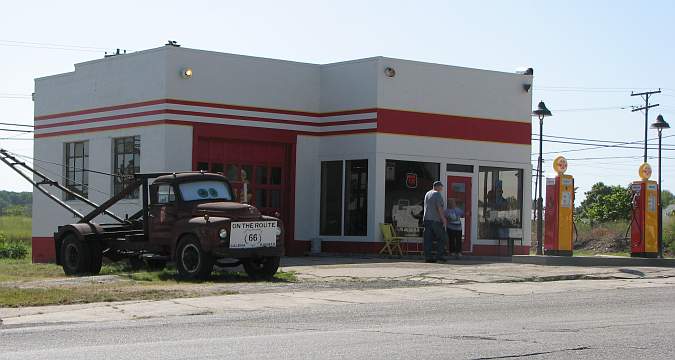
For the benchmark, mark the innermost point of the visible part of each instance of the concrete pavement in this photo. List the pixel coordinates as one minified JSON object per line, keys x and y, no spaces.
{"x":328,"y":282}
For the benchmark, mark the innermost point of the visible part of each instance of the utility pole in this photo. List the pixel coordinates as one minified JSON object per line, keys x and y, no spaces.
{"x":645,"y":95}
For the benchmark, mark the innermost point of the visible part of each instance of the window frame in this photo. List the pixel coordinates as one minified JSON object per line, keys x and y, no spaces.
{"x":84,"y":184}
{"x":520,"y":199}
{"x":343,"y":201}
{"x":136,"y":140}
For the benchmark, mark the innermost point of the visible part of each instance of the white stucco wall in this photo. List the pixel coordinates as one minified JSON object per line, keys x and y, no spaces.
{"x":282,"y":85}
{"x":163,"y":148}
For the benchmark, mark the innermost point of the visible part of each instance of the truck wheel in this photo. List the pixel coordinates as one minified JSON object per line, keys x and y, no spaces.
{"x":96,"y":257}
{"x":261,"y":268}
{"x":75,"y":256}
{"x":192,"y":262}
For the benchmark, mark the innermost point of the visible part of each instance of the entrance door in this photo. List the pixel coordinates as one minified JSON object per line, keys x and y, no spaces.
{"x":459,"y":188}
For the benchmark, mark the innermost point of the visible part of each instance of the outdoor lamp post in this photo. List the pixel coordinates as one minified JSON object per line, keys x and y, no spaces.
{"x":659,"y":125}
{"x":541,"y":113}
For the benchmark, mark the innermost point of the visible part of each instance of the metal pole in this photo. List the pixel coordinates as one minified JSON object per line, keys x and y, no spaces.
{"x":660,"y":238}
{"x":646,"y":122}
{"x":540,"y":223}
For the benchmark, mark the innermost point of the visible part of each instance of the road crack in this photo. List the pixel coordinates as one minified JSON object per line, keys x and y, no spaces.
{"x":580,"y":348}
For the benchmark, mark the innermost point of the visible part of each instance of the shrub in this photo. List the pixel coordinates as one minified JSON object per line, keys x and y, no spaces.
{"x":12,"y":249}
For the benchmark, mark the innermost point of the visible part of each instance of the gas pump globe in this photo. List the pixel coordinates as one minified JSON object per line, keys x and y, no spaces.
{"x":644,"y":217}
{"x":559,"y":211}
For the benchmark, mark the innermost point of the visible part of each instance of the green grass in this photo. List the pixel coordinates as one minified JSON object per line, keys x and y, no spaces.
{"x":16,"y":228}
{"x":25,"y":270}
{"x":20,"y":297}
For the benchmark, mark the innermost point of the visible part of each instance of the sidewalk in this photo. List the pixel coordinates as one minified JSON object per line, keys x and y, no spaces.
{"x":324,"y":281}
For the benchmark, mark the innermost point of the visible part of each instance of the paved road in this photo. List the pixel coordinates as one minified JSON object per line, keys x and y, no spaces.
{"x":627,"y":323}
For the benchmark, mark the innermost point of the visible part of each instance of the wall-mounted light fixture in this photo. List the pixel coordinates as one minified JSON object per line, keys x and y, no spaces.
{"x":389,"y":72}
{"x":186,"y":72}
{"x":529,"y":72}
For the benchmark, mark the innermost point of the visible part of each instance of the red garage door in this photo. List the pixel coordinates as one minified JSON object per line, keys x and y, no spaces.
{"x":258,"y":171}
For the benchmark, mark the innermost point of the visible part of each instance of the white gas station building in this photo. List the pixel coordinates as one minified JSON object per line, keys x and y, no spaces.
{"x":335,"y":149}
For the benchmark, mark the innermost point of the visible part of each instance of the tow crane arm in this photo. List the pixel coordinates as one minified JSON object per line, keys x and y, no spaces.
{"x":20,"y":167}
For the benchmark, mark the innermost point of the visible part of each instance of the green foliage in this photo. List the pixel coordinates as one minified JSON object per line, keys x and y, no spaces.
{"x":17,"y":203}
{"x":16,"y":228}
{"x":606,"y":203}
{"x":667,"y":198}
{"x":669,"y":234}
{"x":10,"y":249}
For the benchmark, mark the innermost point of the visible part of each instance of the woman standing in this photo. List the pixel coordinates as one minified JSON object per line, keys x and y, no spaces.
{"x":454,"y":227}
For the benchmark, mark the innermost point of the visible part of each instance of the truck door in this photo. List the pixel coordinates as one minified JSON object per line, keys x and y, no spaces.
{"x":163,"y":213}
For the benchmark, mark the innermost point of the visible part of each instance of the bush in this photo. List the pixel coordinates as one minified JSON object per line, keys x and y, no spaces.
{"x":12,"y":249}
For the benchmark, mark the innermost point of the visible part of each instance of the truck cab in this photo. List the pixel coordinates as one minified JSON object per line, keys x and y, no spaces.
{"x":193,"y":218}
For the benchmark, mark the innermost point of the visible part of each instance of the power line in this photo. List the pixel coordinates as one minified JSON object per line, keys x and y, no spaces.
{"x":12,"y":124}
{"x":16,"y":130}
{"x":60,"y":164}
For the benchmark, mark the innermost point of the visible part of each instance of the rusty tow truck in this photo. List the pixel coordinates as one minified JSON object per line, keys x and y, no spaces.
{"x":190,"y":218}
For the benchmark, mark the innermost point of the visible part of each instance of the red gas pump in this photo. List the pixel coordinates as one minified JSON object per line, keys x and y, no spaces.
{"x":644,"y":219}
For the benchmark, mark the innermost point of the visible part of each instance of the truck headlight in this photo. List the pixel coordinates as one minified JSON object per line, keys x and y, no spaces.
{"x":222,"y":234}
{"x":278,"y":231}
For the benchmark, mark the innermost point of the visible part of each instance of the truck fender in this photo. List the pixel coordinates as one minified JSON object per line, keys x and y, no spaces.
{"x":198,"y":226}
{"x":81,"y":230}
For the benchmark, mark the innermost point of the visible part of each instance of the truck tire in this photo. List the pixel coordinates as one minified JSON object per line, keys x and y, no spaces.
{"x":75,"y":256}
{"x":261,"y":268}
{"x":192,"y":261}
{"x":96,"y":260}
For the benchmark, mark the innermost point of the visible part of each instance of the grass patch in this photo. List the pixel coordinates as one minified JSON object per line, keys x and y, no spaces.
{"x":12,"y":249}
{"x":170,"y":275}
{"x":25,"y":270}
{"x":16,"y":228}
{"x":18,"y":297}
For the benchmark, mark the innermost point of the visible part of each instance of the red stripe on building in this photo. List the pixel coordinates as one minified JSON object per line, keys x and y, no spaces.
{"x":101,"y":109}
{"x":452,"y":127}
{"x":201,"y":104}
{"x":246,"y":129}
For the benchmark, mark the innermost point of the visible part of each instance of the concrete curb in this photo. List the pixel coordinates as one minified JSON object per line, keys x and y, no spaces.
{"x":587,"y":261}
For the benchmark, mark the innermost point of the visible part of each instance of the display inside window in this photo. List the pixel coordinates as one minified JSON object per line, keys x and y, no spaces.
{"x":406,"y":183}
{"x":76,"y":161}
{"x":500,"y":203}
{"x":126,"y":163}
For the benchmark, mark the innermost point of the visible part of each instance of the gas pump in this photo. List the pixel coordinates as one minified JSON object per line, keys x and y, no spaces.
{"x":644,"y":219}
{"x":559,"y":211}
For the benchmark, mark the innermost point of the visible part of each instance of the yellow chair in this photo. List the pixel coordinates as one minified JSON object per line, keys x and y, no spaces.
{"x":391,"y":241}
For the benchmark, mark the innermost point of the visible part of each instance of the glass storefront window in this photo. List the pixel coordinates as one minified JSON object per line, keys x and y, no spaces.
{"x":356,"y":198}
{"x":500,"y":203}
{"x":331,"y":198}
{"x":406,"y":183}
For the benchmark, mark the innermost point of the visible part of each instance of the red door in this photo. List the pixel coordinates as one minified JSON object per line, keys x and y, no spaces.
{"x":459,"y":188}
{"x":258,"y":171}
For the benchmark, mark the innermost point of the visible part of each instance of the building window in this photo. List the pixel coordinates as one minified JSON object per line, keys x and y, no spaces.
{"x":76,"y":162}
{"x":356,"y":198}
{"x":344,"y":215}
{"x":406,"y":183}
{"x":500,"y":203}
{"x":126,"y":163}
{"x":331,"y":198}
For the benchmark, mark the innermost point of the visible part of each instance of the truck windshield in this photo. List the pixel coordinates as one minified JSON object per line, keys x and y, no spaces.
{"x":205,"y":190}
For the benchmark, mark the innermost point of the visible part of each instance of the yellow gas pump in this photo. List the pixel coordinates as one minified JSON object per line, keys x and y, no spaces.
{"x":644,"y":219}
{"x":559,"y":217}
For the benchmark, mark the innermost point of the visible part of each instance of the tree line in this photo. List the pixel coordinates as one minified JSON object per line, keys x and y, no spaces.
{"x":606,"y":203}
{"x":16,"y":203}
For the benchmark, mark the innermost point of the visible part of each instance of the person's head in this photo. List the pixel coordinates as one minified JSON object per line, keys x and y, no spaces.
{"x":438,"y":186}
{"x":451,"y":203}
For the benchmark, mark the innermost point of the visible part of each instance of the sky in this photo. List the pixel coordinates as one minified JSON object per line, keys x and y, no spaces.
{"x":587,"y":56}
